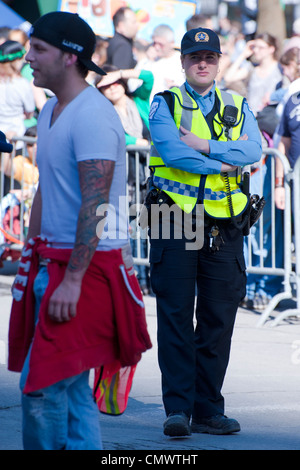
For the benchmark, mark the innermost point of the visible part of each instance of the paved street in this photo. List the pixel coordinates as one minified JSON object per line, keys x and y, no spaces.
{"x":262,"y":390}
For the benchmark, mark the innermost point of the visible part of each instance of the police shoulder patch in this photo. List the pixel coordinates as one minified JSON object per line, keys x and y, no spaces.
{"x":154,"y":107}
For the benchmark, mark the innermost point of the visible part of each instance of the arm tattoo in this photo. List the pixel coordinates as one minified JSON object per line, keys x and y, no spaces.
{"x":95,"y":177}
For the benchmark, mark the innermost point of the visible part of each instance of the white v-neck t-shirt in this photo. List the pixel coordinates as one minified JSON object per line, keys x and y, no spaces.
{"x":88,"y":128}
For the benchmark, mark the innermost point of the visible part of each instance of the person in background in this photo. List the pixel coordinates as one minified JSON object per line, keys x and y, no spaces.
{"x":4,"y":32}
{"x":16,"y":95}
{"x":40,"y":96}
{"x":4,"y":145}
{"x":99,"y":57}
{"x":294,"y":41}
{"x":259,"y":68}
{"x":18,"y":35}
{"x":166,"y":69}
{"x":25,"y":174}
{"x":290,"y":62}
{"x":263,"y":77}
{"x":119,"y":51}
{"x":145,"y":54}
{"x":289,"y":134}
{"x":24,"y":168}
{"x":198,"y":20}
{"x":133,"y":109}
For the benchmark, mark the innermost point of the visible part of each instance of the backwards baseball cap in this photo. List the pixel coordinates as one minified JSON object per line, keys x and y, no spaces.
{"x":200,"y":39}
{"x":70,"y":33}
{"x":4,"y":145}
{"x":10,"y":51}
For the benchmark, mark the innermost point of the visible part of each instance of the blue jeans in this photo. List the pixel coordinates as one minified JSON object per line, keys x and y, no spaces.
{"x":63,"y":416}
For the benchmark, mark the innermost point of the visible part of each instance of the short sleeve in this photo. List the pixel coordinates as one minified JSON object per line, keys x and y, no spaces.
{"x":98,"y":134}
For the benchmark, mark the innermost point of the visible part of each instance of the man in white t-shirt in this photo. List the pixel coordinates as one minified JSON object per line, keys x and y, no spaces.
{"x":81,"y":161}
{"x":167,"y":69}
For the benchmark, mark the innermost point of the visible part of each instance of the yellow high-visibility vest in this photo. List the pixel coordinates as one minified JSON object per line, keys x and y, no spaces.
{"x":182,"y":186}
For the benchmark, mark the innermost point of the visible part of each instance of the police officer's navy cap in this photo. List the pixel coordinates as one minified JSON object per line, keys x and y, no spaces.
{"x":70,"y":33}
{"x":200,"y":39}
{"x":4,"y":145}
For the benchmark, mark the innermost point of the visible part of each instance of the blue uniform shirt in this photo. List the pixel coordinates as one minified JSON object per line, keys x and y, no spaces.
{"x":176,"y":154}
{"x":290,"y":127}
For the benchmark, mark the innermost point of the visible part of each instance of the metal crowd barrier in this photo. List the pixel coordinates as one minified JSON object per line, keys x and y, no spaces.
{"x":137,"y":172}
{"x":141,"y":172}
{"x":14,"y":194}
{"x":285,"y":270}
{"x":295,"y":274}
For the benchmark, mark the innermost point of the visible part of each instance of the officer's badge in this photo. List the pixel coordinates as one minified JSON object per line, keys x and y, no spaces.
{"x":202,"y":37}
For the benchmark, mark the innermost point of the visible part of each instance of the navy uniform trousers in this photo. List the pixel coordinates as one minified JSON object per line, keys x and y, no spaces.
{"x":197,"y":294}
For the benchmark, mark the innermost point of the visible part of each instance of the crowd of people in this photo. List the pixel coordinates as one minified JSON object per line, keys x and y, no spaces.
{"x":262,"y":70}
{"x":153,"y":95}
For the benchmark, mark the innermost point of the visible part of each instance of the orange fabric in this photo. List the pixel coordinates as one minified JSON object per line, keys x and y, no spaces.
{"x":111,"y":389}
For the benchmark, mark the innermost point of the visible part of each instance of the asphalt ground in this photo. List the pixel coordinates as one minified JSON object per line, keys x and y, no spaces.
{"x":261,"y":390}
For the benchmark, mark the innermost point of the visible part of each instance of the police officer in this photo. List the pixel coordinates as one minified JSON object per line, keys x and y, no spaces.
{"x":201,"y":137}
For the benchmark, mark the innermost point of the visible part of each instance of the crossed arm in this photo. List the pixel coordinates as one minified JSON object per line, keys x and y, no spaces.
{"x":202,"y":145}
{"x":185,"y":151}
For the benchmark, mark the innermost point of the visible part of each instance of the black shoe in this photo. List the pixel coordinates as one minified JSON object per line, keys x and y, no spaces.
{"x":217,"y":424}
{"x":177,"y":425}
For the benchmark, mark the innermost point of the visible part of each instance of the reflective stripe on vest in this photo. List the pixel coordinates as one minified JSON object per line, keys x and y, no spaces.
{"x":188,"y":190}
{"x":175,"y":187}
{"x":182,"y":186}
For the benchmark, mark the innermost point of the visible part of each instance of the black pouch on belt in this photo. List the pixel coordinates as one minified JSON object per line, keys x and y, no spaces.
{"x":256,"y":208}
{"x":151,"y":198}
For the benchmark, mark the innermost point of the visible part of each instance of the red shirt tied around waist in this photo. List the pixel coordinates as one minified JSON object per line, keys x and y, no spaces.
{"x":109,"y":332}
